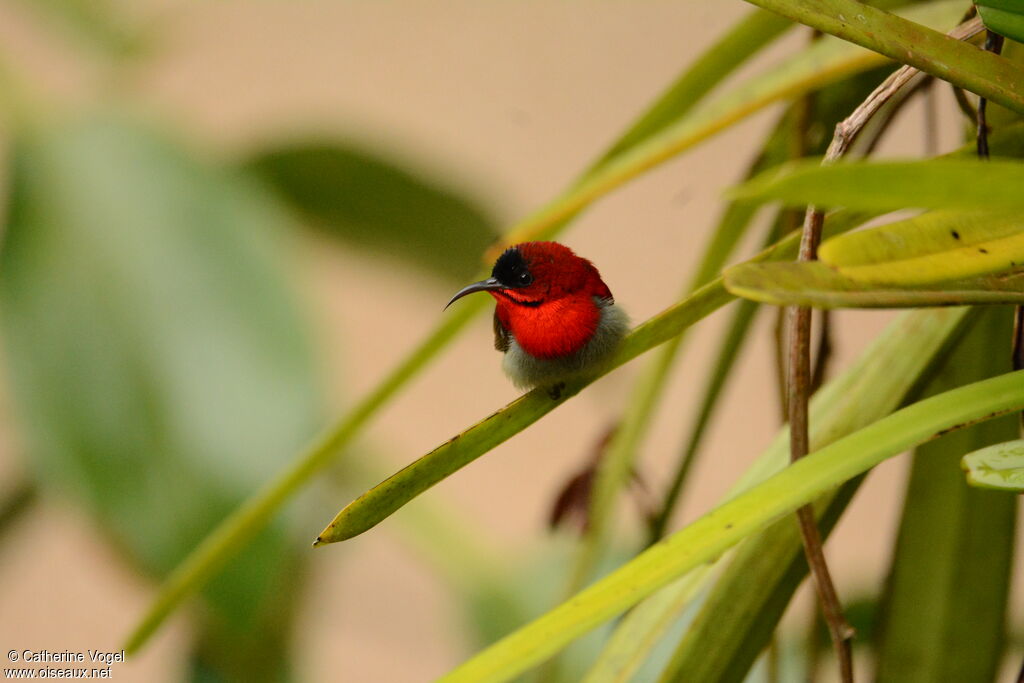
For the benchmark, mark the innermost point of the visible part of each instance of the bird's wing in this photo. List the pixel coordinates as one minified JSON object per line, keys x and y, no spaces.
{"x":502,"y":337}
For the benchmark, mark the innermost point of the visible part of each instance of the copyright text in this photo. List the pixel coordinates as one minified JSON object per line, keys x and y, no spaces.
{"x":66,"y":664}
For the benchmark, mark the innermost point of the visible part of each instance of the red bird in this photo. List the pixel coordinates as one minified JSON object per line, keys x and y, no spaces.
{"x":555,"y":317}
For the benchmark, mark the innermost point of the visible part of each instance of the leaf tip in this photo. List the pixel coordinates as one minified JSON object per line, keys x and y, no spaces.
{"x":340,"y":529}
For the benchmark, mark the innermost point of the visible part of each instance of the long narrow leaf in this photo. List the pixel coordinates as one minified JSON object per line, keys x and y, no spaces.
{"x":978,"y":71}
{"x":891,"y":185}
{"x":815,"y":284}
{"x":933,"y":247}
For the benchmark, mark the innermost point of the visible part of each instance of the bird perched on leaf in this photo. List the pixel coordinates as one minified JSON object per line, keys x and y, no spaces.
{"x":555,"y":317}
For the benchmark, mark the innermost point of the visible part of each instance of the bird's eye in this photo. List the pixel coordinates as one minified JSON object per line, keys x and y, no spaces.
{"x":525,"y":278}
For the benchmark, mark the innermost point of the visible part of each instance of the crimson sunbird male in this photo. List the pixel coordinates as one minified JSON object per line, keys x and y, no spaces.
{"x":555,"y":317}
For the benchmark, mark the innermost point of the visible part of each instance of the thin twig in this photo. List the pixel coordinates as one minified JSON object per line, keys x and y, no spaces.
{"x":823,"y":354}
{"x":799,"y":320}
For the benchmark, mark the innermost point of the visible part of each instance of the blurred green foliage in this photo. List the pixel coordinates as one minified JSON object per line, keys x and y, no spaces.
{"x":159,"y":360}
{"x":366,"y":201}
{"x":162,"y":370}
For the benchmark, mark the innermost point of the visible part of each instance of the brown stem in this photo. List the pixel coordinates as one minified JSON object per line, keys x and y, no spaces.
{"x":799,"y":357}
{"x":799,"y":371}
{"x":823,"y":354}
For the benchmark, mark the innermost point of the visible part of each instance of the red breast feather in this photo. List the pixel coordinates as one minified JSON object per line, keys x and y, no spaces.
{"x":563,"y":322}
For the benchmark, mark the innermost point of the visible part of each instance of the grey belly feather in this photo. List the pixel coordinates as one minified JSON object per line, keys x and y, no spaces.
{"x":527,"y":372}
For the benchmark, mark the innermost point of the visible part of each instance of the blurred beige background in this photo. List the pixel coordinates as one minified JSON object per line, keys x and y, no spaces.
{"x":510,"y":101}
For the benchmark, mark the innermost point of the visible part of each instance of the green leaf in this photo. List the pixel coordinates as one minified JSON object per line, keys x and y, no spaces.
{"x":1004,"y":17}
{"x":894,"y":185}
{"x":365,"y":200}
{"x":158,"y":358}
{"x":950,"y":571}
{"x":816,"y":284}
{"x":933,"y":247}
{"x":999,"y":467}
{"x":746,"y":514}
{"x":978,"y":71}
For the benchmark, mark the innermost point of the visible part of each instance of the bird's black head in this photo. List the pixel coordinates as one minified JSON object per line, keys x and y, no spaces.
{"x":511,"y":269}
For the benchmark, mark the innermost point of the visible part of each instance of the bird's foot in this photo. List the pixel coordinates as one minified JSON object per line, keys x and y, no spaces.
{"x":555,"y":391}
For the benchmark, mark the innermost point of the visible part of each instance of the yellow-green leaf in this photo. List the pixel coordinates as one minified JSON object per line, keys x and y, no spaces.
{"x":996,"y":467}
{"x":816,"y":284}
{"x":933,"y":247}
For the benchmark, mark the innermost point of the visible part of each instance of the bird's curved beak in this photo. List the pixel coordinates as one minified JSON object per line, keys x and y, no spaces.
{"x":488,"y":285}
